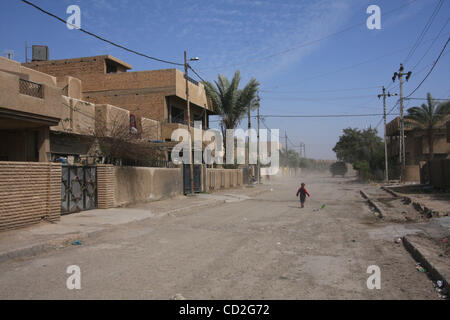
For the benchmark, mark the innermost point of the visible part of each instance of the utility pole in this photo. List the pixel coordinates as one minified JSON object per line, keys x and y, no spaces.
{"x":191,"y":162}
{"x":384,"y":95}
{"x":287,"y":155}
{"x":258,"y":165}
{"x":249,"y":128}
{"x":400,"y":75}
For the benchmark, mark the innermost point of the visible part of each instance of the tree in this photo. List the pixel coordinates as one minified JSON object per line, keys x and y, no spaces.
{"x":230,"y":102}
{"x":115,"y":142}
{"x":429,"y":117}
{"x":364,"y":149}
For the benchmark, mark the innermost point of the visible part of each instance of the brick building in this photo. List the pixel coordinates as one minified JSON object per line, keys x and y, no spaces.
{"x":156,"y":94}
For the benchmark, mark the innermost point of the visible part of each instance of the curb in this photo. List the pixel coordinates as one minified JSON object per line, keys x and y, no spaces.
{"x":373,"y":204}
{"x":433,"y":273}
{"x":395,"y":194}
{"x":65,"y":241}
{"x":420,"y":207}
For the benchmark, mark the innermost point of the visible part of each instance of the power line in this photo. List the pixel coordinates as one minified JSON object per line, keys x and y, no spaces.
{"x":392,"y":109}
{"x":413,"y":75}
{"x":306,"y":44}
{"x":431,"y":45}
{"x":431,"y":70}
{"x":424,"y":31}
{"x":321,"y":115}
{"x":311,"y":116}
{"x":317,"y":99}
{"x":331,"y":90}
{"x":437,"y":99}
{"x":196,"y":73}
{"x":101,"y":38}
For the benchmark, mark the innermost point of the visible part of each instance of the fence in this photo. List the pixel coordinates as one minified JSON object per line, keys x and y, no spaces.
{"x":217,"y":179}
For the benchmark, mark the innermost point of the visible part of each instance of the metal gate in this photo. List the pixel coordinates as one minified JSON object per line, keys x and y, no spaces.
{"x":197,"y":178}
{"x":78,"y":188}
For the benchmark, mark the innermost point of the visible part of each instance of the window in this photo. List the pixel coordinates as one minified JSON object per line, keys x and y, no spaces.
{"x":111,"y":67}
{"x":177,"y":115}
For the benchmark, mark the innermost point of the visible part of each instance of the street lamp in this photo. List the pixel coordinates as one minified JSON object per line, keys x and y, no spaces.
{"x":191,"y":162}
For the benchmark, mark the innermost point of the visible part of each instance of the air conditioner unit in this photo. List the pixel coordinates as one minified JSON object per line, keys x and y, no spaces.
{"x":40,"y":53}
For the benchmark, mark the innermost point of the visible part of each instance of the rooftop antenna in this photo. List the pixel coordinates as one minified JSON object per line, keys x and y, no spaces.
{"x":9,"y":54}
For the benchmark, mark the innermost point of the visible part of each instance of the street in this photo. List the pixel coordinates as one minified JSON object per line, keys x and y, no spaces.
{"x":262,"y":247}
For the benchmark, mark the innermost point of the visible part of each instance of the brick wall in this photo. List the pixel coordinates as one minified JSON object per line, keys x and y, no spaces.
{"x":29,"y":192}
{"x":71,"y":67}
{"x":105,"y":186}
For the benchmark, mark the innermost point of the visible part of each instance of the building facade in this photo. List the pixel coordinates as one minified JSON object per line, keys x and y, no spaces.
{"x":416,"y":147}
{"x":159,"y":95}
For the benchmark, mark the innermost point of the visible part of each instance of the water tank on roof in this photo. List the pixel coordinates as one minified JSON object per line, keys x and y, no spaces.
{"x":40,"y":53}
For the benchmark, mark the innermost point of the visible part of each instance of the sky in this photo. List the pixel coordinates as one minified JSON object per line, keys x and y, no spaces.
{"x":310,"y":57}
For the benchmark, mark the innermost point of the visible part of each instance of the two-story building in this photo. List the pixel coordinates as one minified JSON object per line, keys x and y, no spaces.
{"x":159,"y":95}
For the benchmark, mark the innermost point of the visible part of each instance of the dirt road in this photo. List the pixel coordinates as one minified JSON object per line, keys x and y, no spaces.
{"x":264,"y":247}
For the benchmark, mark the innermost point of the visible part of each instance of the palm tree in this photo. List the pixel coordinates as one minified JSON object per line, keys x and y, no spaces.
{"x":230,"y":102}
{"x":429,"y":117}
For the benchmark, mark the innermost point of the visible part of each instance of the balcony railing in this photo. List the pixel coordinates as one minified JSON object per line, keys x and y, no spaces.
{"x":191,"y":80}
{"x":31,"y":88}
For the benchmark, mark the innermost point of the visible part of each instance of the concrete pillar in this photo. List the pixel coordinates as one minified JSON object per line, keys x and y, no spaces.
{"x":44,"y":144}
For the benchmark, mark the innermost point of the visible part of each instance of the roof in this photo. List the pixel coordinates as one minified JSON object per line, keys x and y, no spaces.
{"x":81,"y":59}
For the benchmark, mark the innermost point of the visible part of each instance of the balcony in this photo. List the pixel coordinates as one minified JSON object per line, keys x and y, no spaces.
{"x":29,"y":99}
{"x":31,"y":88}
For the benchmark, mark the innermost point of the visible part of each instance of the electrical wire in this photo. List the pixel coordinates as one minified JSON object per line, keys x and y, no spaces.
{"x":101,"y":38}
{"x":318,"y":91}
{"x":320,"y":115}
{"x":424,"y":31}
{"x":306,"y":44}
{"x":431,"y":70}
{"x":431,"y":45}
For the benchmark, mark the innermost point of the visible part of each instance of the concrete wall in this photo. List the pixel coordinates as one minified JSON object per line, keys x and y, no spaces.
{"x":71,"y":87}
{"x":12,"y":99}
{"x":197,"y":93}
{"x":217,"y":179}
{"x":15,"y":67}
{"x":150,"y":129}
{"x":111,"y":121}
{"x":136,"y":184}
{"x":412,"y":173}
{"x":29,"y":192}
{"x":77,"y":117}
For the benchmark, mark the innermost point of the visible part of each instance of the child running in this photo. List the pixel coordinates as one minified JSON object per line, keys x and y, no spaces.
{"x":303,"y":192}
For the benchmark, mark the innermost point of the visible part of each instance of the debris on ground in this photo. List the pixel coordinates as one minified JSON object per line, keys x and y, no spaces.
{"x":77,"y":243}
{"x":420,"y":268}
{"x":178,"y":297}
{"x":322,"y":207}
{"x":398,"y":240}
